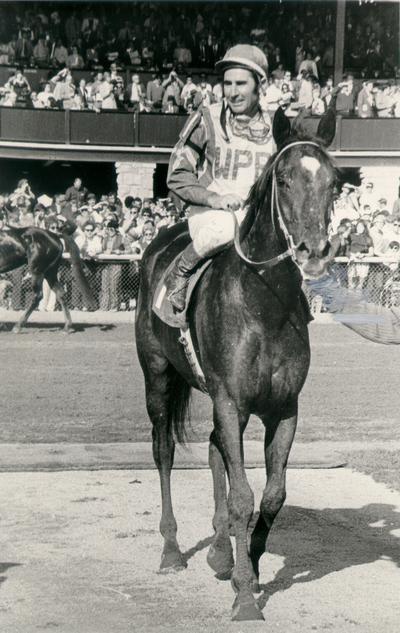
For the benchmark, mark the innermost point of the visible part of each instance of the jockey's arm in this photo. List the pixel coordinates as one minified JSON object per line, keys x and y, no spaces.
{"x":186,"y":160}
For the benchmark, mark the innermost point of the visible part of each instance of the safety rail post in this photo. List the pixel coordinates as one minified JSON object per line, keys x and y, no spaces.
{"x":338,"y":135}
{"x":67,"y":126}
{"x":136,"y":129}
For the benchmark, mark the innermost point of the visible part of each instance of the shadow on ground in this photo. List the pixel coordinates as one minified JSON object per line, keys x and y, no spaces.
{"x":316,"y":543}
{"x":7,"y":326}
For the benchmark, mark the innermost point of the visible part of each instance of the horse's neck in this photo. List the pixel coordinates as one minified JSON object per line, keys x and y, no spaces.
{"x":264,"y":239}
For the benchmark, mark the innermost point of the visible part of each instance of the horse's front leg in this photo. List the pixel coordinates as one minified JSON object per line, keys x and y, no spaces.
{"x":279,"y":435}
{"x":229,"y":426}
{"x":220,"y":554}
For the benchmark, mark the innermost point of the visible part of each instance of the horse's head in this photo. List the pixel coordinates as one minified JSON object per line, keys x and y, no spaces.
{"x":303,"y":178}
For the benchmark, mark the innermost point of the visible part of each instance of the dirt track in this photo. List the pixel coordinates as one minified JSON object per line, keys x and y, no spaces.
{"x":88,"y":387}
{"x":80,"y":554}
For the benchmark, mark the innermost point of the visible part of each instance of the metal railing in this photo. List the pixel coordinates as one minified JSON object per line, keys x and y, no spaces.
{"x":115,"y":283}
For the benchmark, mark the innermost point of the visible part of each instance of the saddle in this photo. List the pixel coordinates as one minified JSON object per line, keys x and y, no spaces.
{"x":162,"y":306}
{"x":165,"y":312}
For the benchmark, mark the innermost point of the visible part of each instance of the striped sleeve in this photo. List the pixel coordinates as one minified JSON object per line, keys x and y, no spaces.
{"x":186,"y":159}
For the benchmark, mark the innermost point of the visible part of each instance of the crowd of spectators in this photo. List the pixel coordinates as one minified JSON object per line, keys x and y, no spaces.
{"x":170,"y":39}
{"x":104,"y":226}
{"x":169,"y":94}
{"x":364,"y":225}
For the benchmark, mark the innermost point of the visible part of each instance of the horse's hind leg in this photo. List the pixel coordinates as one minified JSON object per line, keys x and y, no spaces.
{"x":157,"y":398}
{"x":56,"y":286}
{"x":279,"y":434}
{"x":37,"y":287}
{"x":220,"y":554}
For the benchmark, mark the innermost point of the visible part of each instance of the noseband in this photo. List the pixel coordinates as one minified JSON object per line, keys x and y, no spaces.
{"x":274,"y":205}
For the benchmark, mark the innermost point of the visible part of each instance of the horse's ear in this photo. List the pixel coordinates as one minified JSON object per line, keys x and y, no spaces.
{"x":298,"y":123}
{"x":327,"y":127}
{"x":280,"y":127}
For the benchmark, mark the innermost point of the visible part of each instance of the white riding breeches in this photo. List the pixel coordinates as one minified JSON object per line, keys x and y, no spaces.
{"x":213,"y":229}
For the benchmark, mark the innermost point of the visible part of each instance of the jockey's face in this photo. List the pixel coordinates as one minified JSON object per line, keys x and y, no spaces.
{"x":240,"y":90}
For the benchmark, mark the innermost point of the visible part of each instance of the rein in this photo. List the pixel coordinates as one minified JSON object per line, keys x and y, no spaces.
{"x":274,"y":200}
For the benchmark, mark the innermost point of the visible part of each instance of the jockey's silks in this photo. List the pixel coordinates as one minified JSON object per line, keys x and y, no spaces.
{"x":210,"y":159}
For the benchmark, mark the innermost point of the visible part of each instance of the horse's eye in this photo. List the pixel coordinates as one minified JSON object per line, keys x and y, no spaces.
{"x":283,"y":182}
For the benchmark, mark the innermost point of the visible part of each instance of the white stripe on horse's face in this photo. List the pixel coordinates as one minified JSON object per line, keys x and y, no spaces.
{"x":311,"y":164}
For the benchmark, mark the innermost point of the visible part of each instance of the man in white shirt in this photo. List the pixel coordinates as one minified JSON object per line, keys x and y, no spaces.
{"x":273,"y":95}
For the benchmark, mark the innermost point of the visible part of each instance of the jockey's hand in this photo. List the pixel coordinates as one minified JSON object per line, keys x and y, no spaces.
{"x":230,"y":202}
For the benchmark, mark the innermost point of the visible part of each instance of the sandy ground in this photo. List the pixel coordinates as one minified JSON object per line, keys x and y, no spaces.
{"x":88,"y":387}
{"x":80,"y":554}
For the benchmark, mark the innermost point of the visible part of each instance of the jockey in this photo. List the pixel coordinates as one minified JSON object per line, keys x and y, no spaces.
{"x":220,"y":153}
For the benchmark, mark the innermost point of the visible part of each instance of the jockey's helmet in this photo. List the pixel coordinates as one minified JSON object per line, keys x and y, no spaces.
{"x":245,"y":56}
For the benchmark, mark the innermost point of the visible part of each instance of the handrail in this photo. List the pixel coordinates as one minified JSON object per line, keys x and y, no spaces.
{"x":134,"y":257}
{"x":25,"y":130}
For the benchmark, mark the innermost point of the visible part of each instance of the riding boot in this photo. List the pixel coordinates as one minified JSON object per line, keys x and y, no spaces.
{"x":178,"y":278}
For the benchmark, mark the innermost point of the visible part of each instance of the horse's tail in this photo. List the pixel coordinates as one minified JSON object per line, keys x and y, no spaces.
{"x":78,"y":270}
{"x":179,"y":407}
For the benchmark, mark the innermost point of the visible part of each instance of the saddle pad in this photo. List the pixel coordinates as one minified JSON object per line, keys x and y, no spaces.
{"x":164,"y":309}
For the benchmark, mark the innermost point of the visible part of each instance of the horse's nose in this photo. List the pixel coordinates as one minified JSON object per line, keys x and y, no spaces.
{"x":308,"y":249}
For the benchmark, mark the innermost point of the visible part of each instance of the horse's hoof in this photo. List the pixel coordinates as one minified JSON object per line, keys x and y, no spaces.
{"x":246,"y":611}
{"x":67,"y":330}
{"x":172,"y":562}
{"x":16,"y":329}
{"x":221,"y":561}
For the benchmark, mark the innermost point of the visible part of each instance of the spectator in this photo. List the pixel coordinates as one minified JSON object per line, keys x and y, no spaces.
{"x":154,"y":93}
{"x":360,"y":246}
{"x":74,"y":59}
{"x":106,"y":93}
{"x":45,"y":98}
{"x":171,"y":107}
{"x":148,"y":235}
{"x":309,"y":65}
{"x":135,"y":94}
{"x":273,"y":96}
{"x":110,"y":294}
{"x":344,"y":98}
{"x":59,"y":54}
{"x":378,"y":234}
{"x":188,"y":90}
{"x":88,"y":242}
{"x":318,"y":104}
{"x":345,"y":207}
{"x":132,"y":55}
{"x":368,"y":196}
{"x":172,"y":88}
{"x":23,"y":191}
{"x":366,"y":100}
{"x":76,"y":192}
{"x":20,"y":85}
{"x":64,"y":89}
{"x":327,"y":92}
{"x":305,"y":95}
{"x":385,"y":101}
{"x":23,"y":48}
{"x":182,"y":54}
{"x":41,"y":54}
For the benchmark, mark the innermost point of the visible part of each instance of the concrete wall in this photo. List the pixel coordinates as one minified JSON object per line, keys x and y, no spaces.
{"x":135,"y":179}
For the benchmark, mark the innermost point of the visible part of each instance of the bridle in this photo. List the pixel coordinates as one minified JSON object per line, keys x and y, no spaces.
{"x":290,"y":251}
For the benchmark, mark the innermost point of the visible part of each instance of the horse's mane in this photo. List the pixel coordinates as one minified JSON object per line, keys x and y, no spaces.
{"x":258,"y":195}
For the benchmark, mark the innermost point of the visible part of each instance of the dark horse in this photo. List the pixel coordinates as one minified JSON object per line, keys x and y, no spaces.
{"x":250,"y":324}
{"x":42,"y":251}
